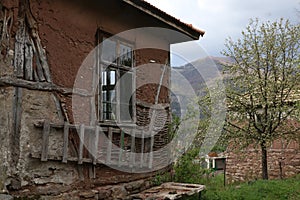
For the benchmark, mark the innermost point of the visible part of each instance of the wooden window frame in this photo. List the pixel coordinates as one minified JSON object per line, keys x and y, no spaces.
{"x":102,"y":64}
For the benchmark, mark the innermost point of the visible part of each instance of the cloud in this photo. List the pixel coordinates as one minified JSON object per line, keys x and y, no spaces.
{"x":223,"y":18}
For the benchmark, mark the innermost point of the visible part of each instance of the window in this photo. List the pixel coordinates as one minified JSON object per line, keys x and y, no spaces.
{"x":117,"y":82}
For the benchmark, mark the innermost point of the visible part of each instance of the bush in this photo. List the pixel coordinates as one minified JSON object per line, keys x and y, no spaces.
{"x":188,"y":171}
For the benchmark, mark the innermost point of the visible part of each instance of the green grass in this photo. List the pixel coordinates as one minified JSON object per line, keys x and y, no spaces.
{"x":188,"y":172}
{"x":258,"y":190}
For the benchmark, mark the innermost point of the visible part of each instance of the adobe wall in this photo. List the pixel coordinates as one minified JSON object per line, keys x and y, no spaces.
{"x":245,"y":165}
{"x":67,"y":34}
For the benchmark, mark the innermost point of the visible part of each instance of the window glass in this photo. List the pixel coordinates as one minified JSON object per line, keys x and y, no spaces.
{"x":109,"y":51}
{"x":125,"y":53}
{"x":120,"y":56}
{"x":126,"y":95}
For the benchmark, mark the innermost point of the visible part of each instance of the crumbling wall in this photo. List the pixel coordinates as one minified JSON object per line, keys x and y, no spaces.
{"x":245,"y":165}
{"x":42,"y":46}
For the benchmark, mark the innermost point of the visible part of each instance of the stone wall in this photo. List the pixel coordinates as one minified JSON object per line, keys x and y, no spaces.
{"x":245,"y":165}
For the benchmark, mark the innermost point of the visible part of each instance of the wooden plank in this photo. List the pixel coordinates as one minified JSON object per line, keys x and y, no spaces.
{"x":39,"y":69}
{"x":81,"y":141}
{"x":66,"y":142}
{"x":142,"y":148}
{"x":151,"y":151}
{"x":19,"y":49}
{"x":43,"y":86}
{"x":16,"y":123}
{"x":43,"y":60}
{"x":45,"y":141}
{"x":121,"y":148}
{"x":96,"y":143}
{"x":109,"y":145}
{"x":132,"y":149}
{"x":28,"y":75}
{"x":118,"y":96}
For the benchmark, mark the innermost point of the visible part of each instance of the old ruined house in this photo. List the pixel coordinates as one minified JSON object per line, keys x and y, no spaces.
{"x":45,"y":151}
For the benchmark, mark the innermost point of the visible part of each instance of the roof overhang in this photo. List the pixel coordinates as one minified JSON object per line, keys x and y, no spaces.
{"x":169,"y":20}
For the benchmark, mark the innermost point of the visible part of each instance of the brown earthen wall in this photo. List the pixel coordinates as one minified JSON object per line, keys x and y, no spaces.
{"x":67,"y":31}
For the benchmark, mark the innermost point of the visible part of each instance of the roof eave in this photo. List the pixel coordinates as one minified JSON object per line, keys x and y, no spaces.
{"x":166,"y":18}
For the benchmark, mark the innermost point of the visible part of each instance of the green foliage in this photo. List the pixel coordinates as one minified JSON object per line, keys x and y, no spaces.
{"x":263,"y":81}
{"x":161,"y":178}
{"x":263,"y":84}
{"x":189,"y":171}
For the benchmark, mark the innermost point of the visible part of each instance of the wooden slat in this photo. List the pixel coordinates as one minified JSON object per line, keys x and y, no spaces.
{"x":132,"y":149}
{"x":45,"y":142}
{"x":19,"y":49}
{"x":66,"y":142}
{"x":81,"y":141}
{"x":43,"y":60}
{"x":121,"y":148}
{"x":142,"y":148}
{"x":109,"y":145}
{"x":151,"y":151}
{"x":28,"y":61}
{"x":96,"y":143}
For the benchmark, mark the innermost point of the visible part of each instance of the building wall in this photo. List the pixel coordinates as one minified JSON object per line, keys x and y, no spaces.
{"x":67,"y":32}
{"x":245,"y":165}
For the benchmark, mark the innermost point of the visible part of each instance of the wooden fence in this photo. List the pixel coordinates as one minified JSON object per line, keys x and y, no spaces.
{"x":101,"y":144}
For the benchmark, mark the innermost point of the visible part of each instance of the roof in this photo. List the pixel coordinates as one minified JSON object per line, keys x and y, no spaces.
{"x":148,"y":8}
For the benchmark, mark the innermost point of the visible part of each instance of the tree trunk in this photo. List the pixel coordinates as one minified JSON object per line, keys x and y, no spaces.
{"x":264,"y":161}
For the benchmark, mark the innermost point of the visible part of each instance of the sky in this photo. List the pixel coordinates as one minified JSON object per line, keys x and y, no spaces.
{"x":223,"y":18}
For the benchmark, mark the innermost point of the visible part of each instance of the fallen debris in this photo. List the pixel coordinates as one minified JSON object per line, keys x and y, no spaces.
{"x":169,"y":191}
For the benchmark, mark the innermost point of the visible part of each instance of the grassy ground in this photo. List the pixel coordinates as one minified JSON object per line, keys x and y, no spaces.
{"x":258,"y":190}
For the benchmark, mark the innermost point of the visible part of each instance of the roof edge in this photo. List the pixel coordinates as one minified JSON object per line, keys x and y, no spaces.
{"x":185,"y":28}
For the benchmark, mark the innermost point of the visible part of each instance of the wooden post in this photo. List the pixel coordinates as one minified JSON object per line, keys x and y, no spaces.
{"x":66,"y":142}
{"x":121,"y":148}
{"x":19,"y":49}
{"x":45,"y":142}
{"x":142,"y":148}
{"x":95,"y":150}
{"x":81,"y":141}
{"x":109,"y":145}
{"x":28,"y":72}
{"x":132,"y":149}
{"x":151,"y":151}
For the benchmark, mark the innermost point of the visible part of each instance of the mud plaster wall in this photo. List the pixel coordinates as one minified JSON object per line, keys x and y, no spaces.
{"x":283,"y":161}
{"x":68,"y":35}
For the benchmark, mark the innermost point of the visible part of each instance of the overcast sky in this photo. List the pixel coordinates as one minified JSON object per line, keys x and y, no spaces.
{"x":223,"y":18}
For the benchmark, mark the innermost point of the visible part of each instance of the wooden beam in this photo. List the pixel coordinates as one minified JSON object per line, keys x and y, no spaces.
{"x":109,"y":145}
{"x":151,"y":151}
{"x":42,"y":86}
{"x":96,"y":143}
{"x":19,"y":49}
{"x":28,"y":72}
{"x":142,"y":148}
{"x":121,"y":148}
{"x":45,"y":141}
{"x":132,"y":149}
{"x":81,"y":141}
{"x":66,"y":142}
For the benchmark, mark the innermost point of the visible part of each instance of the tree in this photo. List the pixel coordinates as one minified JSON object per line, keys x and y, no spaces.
{"x":263,"y":84}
